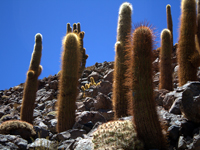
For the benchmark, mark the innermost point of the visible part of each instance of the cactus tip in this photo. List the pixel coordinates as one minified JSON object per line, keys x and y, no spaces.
{"x":38,"y":37}
{"x":126,"y":7}
{"x":165,"y":32}
{"x":168,"y":6}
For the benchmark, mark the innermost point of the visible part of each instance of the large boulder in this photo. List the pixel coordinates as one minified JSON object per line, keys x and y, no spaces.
{"x":190,"y":104}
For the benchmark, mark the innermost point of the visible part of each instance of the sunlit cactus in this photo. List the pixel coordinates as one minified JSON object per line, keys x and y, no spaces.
{"x":71,"y":57}
{"x":120,"y":90}
{"x":165,"y":68}
{"x":188,"y":57}
{"x":169,"y":22}
{"x":31,"y":84}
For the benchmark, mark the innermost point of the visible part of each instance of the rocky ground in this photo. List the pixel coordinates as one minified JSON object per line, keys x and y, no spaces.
{"x":96,"y":108}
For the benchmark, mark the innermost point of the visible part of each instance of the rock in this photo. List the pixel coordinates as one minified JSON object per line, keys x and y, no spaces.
{"x":190,"y":105}
{"x":67,"y":145}
{"x":36,"y":113}
{"x":12,"y":142}
{"x":41,"y":132}
{"x":49,"y":95}
{"x":40,"y":143}
{"x":53,"y":85}
{"x":37,"y":120}
{"x":173,"y":132}
{"x":108,"y":114}
{"x":11,"y":145}
{"x":21,"y":143}
{"x":109,"y":76}
{"x":81,"y":108}
{"x":102,"y":102}
{"x":182,"y":143}
{"x":168,"y":100}
{"x":155,"y":65}
{"x":89,"y":125}
{"x":40,"y":106}
{"x":43,"y":126}
{"x":87,"y":116}
{"x":95,"y":75}
{"x":52,"y":125}
{"x":84,"y":144}
{"x":1,"y":113}
{"x":76,"y":133}
{"x":105,"y":87}
{"x":196,"y":142}
{"x":187,"y":128}
{"x":2,"y":147}
{"x":7,"y":117}
{"x":169,"y":118}
{"x":62,"y":136}
{"x":50,"y":105}
{"x":160,"y":95}
{"x":175,"y":108}
{"x":52,"y":114}
{"x":89,"y":102}
{"x":156,"y":80}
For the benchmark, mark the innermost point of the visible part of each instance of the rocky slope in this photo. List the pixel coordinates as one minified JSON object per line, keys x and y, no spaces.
{"x":94,"y":107}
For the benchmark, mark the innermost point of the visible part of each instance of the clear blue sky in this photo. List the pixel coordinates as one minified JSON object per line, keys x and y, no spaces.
{"x":20,"y":20}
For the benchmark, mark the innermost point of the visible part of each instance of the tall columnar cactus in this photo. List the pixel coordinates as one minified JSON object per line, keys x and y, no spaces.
{"x":31,"y":86}
{"x":145,"y":117}
{"x":169,"y":22}
{"x":71,"y":57}
{"x":119,"y":88}
{"x":77,"y":29}
{"x":188,"y":57}
{"x":165,"y":61}
{"x":198,"y":26}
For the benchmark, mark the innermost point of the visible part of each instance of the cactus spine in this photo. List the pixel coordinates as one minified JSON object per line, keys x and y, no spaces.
{"x":69,"y":75}
{"x":165,"y":61}
{"x":187,"y":54}
{"x":119,"y":89}
{"x":30,"y":88}
{"x":169,"y":22}
{"x":144,"y":111}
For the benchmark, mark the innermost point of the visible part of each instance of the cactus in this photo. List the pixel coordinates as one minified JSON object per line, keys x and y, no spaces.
{"x":77,"y":29}
{"x":92,"y":81}
{"x":83,"y":89}
{"x":84,"y":55}
{"x":145,"y":116}
{"x":71,"y":57}
{"x":188,"y":57}
{"x":165,"y":61}
{"x":30,"y":88}
{"x":169,"y":22}
{"x":17,"y":127}
{"x":119,"y":88}
{"x":87,"y":86}
{"x":98,"y":84}
{"x":198,"y":26}
{"x":116,"y":135}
